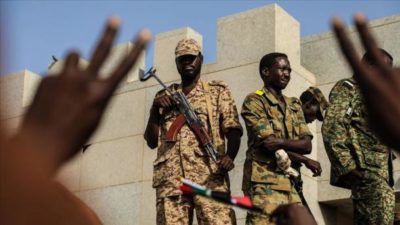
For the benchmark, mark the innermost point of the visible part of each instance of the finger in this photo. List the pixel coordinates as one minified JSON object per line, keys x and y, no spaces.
{"x":129,"y":61}
{"x":167,"y":104}
{"x":71,"y":64}
{"x":164,"y":103}
{"x":347,"y":47}
{"x":369,"y":43}
{"x":104,"y":46}
{"x":232,"y":166}
{"x":167,"y":99}
{"x":223,"y":164}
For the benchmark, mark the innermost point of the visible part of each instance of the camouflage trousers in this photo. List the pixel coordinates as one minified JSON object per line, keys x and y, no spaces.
{"x":268,"y":199}
{"x":179,"y":210}
{"x":373,"y":201}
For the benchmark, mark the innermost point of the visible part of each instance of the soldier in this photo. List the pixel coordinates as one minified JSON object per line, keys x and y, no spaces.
{"x":213,"y":103}
{"x":313,"y":104}
{"x":359,"y":161}
{"x":273,"y":122}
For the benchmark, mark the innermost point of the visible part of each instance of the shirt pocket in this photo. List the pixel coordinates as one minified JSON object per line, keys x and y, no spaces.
{"x":376,"y":156}
{"x":260,"y":173}
{"x":273,"y":115}
{"x":162,"y":170}
{"x":202,"y":114}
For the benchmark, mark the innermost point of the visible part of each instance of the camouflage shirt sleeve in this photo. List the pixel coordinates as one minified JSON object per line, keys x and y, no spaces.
{"x":335,"y":135}
{"x":228,"y":111}
{"x":255,"y":117}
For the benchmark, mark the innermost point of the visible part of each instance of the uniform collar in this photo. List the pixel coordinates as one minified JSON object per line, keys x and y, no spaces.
{"x":270,"y":96}
{"x":197,"y":88}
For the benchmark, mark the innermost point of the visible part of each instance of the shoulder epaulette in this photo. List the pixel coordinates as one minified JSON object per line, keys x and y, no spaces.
{"x":296,"y":100}
{"x":348,"y":84}
{"x":217,"y":83}
{"x":260,"y":92}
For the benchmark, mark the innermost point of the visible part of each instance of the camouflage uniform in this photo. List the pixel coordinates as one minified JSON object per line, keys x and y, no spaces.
{"x":186,"y":158}
{"x":267,"y":187}
{"x":350,"y":145}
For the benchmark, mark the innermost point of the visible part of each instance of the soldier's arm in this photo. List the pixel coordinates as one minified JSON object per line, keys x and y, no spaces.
{"x":230,"y":122}
{"x":302,"y":146}
{"x":335,"y":135}
{"x":153,"y":127}
{"x":311,"y":164}
{"x":255,"y":117}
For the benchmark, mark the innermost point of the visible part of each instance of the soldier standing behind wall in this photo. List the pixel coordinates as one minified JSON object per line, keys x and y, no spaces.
{"x":186,"y":158}
{"x":313,"y":104}
{"x":359,"y":161}
{"x":273,"y":122}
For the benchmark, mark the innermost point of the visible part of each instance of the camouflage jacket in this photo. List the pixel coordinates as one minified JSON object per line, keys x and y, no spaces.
{"x":186,"y":158}
{"x":348,"y":141}
{"x":264,"y":117}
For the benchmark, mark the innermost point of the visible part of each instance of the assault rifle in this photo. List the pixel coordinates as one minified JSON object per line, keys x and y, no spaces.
{"x":298,"y":185}
{"x":187,"y":115}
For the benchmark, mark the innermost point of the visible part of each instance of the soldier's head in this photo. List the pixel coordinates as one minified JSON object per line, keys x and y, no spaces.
{"x":387,"y":58}
{"x":188,"y":59}
{"x":275,"y":70}
{"x":313,"y":103}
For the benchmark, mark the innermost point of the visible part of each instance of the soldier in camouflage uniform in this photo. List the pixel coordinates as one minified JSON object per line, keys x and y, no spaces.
{"x":313,"y":104}
{"x":273,"y":122}
{"x":359,"y":161}
{"x":213,"y":103}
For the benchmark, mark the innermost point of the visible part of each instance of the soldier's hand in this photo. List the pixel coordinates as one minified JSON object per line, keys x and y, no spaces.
{"x":380,"y":84}
{"x":292,"y":214}
{"x":67,"y":108}
{"x":226,"y":163}
{"x":314,"y":166}
{"x":164,"y":101}
{"x":272,"y":143}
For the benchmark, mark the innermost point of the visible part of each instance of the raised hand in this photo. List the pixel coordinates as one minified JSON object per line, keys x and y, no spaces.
{"x":67,"y":108}
{"x":379,"y":84}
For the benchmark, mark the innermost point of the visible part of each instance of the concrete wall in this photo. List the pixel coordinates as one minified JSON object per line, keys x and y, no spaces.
{"x":114,"y":174}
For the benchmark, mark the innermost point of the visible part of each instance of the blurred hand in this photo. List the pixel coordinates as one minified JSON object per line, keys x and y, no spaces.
{"x":292,"y":214}
{"x":272,"y":143}
{"x":67,"y":108}
{"x":380,"y":84}
{"x":314,"y":166}
{"x":63,"y":115}
{"x":226,"y":163}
